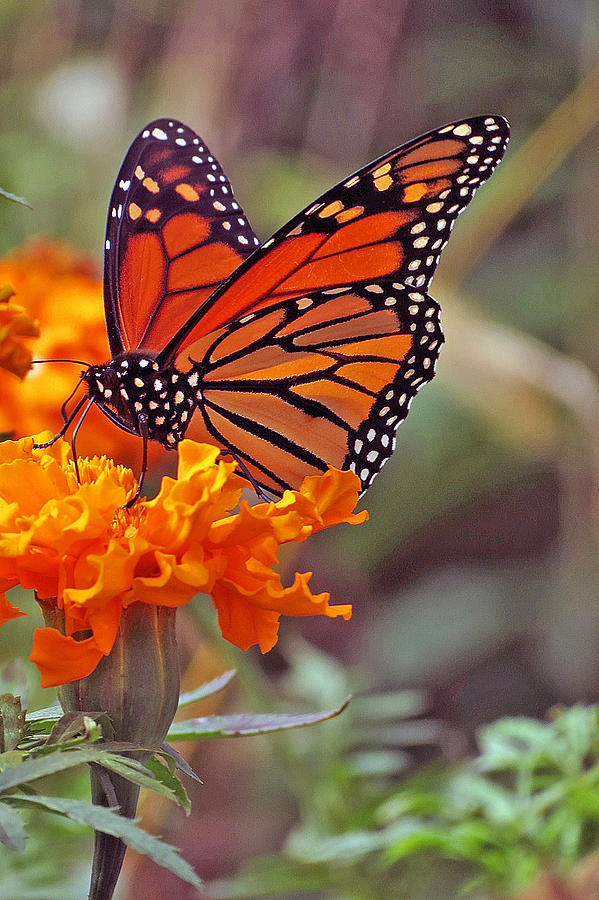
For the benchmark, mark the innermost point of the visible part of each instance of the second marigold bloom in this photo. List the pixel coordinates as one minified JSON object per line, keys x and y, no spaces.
{"x":79,"y":549}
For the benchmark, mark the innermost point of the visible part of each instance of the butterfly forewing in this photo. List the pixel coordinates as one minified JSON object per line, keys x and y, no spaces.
{"x":174,"y":233}
{"x":390,"y":219}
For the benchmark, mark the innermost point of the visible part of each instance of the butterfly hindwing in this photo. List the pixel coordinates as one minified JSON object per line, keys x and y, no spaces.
{"x":391,"y":219}
{"x":174,"y":233}
{"x":320,"y":380}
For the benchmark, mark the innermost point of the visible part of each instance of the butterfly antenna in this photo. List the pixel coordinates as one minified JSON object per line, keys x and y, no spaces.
{"x":64,"y":428}
{"x":90,"y":403}
{"x":77,"y":362}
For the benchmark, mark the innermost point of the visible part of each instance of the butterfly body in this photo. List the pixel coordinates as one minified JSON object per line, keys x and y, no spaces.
{"x":296,"y":354}
{"x":141,"y":398}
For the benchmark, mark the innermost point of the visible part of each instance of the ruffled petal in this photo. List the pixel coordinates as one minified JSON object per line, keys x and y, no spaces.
{"x":62,"y":659}
{"x":7,"y":610}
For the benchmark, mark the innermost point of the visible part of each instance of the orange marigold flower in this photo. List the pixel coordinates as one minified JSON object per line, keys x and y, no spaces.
{"x":61,"y":289}
{"x":82,"y":551}
{"x":15,"y":324}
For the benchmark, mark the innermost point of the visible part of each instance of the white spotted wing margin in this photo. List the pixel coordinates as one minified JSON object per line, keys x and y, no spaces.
{"x":373,"y":442}
{"x":317,"y":381}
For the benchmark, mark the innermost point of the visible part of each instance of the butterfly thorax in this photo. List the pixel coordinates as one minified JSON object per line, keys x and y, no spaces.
{"x":138,"y":395}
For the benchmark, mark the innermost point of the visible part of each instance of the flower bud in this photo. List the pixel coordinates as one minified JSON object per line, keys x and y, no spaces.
{"x":137,"y":685}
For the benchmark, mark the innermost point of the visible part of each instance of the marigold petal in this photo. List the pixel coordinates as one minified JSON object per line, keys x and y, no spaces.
{"x":249,"y":606}
{"x":15,"y":324}
{"x":7,"y":610}
{"x":62,"y":659}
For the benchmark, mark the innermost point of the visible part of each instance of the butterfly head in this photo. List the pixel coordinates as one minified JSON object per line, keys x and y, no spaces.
{"x":139,"y":397}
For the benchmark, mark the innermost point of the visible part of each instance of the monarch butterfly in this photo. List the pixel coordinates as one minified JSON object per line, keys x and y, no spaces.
{"x":295,"y":354}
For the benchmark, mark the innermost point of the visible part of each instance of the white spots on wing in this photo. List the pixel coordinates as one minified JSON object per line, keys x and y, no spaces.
{"x":462,"y":130}
{"x":159,"y":134}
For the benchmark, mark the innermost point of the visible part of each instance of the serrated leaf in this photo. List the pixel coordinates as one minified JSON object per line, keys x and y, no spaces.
{"x":33,"y":769}
{"x":14,"y":199}
{"x":134,"y":771}
{"x":12,"y":830}
{"x":163,"y":774}
{"x":245,"y":724}
{"x":109,"y":822}
{"x":207,"y":689}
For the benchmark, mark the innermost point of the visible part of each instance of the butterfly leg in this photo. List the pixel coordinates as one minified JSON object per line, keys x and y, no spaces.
{"x":74,"y":438}
{"x":143,"y":430}
{"x":262,"y":496}
{"x":64,"y":428}
{"x":63,"y":408}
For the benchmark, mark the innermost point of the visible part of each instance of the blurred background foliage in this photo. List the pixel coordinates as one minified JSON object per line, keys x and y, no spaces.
{"x":476,"y":578}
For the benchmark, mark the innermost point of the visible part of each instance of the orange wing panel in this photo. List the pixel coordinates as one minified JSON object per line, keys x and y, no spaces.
{"x":394,"y":347}
{"x":141,"y":283}
{"x":268,"y":364}
{"x":364,"y":231}
{"x":184,"y":231}
{"x":290,"y":469}
{"x":377,"y":261}
{"x":426,"y":171}
{"x":373,"y":376}
{"x":174,"y":312}
{"x":434,"y":150}
{"x":381,"y":321}
{"x":259,"y":280}
{"x":246,"y":336}
{"x":204,"y":265}
{"x":345,"y":305}
{"x":323,"y":438}
{"x":352,"y":406}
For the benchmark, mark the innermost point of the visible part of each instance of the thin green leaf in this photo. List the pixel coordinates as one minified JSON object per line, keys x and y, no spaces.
{"x":61,"y":761}
{"x":244,"y":725}
{"x":109,"y":822}
{"x":12,"y":831}
{"x":207,"y":689}
{"x":15,"y":199}
{"x":167,"y":778}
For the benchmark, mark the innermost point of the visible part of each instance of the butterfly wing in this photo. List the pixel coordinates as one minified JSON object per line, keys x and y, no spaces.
{"x":391,"y":219}
{"x":316,"y":381}
{"x":174,"y":233}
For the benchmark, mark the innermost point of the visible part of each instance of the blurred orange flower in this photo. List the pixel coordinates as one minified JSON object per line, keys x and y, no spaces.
{"x":59,"y":288}
{"x":15,"y":324}
{"x":82,"y":552}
